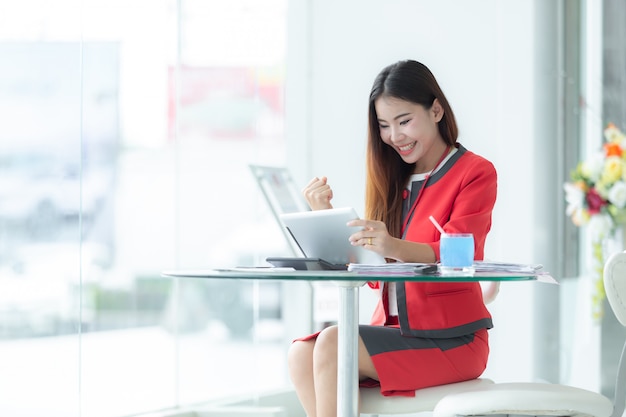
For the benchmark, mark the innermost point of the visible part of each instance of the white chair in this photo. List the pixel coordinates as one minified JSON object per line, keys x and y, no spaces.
{"x":372,"y":402}
{"x":542,"y":399}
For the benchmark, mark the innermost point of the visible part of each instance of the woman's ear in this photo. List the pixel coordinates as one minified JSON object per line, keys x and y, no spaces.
{"x":437,"y":110}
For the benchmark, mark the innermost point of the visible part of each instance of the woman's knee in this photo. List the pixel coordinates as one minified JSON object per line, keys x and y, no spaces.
{"x":299,"y":353}
{"x":325,"y":351}
{"x":300,"y":360}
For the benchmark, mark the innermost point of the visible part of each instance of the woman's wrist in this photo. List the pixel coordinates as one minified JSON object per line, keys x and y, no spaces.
{"x":407,"y":251}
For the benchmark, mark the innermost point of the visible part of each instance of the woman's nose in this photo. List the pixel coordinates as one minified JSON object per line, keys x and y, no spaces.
{"x":395,"y":134}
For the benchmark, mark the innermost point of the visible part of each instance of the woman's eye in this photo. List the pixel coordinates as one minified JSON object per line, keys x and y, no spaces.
{"x":382,"y":126}
{"x":405,"y":122}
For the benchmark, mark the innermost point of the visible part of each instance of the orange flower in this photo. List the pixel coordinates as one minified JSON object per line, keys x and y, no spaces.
{"x":612,"y":149}
{"x":582,"y":185}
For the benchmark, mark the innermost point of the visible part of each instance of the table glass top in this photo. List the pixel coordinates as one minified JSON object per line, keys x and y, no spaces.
{"x":263,"y":273}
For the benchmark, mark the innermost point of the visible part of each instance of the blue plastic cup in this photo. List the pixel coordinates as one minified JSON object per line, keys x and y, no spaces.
{"x":456,"y":251}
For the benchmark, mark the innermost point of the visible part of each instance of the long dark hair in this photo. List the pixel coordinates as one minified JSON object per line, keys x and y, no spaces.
{"x":387,"y":173}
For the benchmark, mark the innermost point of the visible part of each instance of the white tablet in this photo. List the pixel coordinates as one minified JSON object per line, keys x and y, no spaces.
{"x":323,"y":234}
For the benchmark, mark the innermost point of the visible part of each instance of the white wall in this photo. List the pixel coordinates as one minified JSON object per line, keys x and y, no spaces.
{"x":483,"y":55}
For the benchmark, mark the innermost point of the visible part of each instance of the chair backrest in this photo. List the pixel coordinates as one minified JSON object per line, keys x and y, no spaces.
{"x":615,"y":287}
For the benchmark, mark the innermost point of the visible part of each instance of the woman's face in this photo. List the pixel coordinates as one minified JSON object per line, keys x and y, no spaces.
{"x":411,"y":130}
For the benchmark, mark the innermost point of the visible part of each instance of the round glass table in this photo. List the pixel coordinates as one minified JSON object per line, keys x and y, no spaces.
{"x":348,"y":283}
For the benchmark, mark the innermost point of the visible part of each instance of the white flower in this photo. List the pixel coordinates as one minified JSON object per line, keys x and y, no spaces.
{"x":617,"y":194}
{"x":600,"y":226}
{"x":574,"y":196}
{"x":580,"y":216}
{"x":592,"y":168}
{"x":613,"y":134}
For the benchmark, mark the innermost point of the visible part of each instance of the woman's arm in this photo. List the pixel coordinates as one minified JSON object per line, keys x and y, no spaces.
{"x":374,"y":236}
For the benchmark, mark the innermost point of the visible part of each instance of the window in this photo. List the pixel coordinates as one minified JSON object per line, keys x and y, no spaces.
{"x":128,"y":128}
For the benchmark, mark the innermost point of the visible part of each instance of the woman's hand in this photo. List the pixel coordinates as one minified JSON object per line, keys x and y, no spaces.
{"x":318,"y":194}
{"x":373,"y":236}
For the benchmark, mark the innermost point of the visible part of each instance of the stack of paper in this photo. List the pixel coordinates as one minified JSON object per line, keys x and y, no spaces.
{"x":480,"y":267}
{"x":490,"y":266}
{"x":512,"y":268}
{"x":388,"y":268}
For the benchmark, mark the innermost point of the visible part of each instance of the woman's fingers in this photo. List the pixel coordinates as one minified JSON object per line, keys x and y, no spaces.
{"x":318,"y":193}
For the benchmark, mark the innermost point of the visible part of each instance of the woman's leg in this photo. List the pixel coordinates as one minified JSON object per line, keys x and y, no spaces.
{"x":325,"y":372}
{"x":313,"y":370}
{"x":300,"y":362}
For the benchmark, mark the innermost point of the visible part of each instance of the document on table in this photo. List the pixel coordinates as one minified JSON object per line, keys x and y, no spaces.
{"x":513,"y":268}
{"x":256,"y":269}
{"x":479,"y":266}
{"x":388,"y":268}
{"x":491,"y":266}
{"x":412,"y":268}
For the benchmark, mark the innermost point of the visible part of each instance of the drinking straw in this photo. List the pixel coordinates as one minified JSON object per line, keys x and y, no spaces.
{"x":437,"y":225}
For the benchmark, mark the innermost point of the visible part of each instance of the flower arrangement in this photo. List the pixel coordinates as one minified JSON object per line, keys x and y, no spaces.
{"x":596,"y":198}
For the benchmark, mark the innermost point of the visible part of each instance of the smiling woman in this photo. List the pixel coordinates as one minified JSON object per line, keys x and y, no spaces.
{"x":416,"y":171}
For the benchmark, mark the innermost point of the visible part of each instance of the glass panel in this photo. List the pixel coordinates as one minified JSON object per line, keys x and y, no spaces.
{"x":128,"y":127}
{"x":127,"y":355}
{"x":40,"y":205}
{"x":230,"y":115}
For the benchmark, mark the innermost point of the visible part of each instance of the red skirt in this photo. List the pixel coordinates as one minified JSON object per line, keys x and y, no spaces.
{"x":406,"y":364}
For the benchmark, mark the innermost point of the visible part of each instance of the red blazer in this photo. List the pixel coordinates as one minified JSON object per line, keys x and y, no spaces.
{"x":461,"y":197}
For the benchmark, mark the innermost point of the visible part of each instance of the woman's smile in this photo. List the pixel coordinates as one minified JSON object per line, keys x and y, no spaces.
{"x":406,"y":149}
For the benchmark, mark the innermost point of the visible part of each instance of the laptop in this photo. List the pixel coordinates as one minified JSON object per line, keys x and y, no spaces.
{"x":282,"y":195}
{"x":322,"y":237}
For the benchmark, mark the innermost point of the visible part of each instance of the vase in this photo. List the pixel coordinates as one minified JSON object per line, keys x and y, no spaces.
{"x":612,"y":333}
{"x":600,"y":252}
{"x":594,"y":337}
{"x":615,"y":242}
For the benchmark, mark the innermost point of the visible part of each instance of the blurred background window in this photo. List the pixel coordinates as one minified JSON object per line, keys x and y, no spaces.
{"x":127,"y":132}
